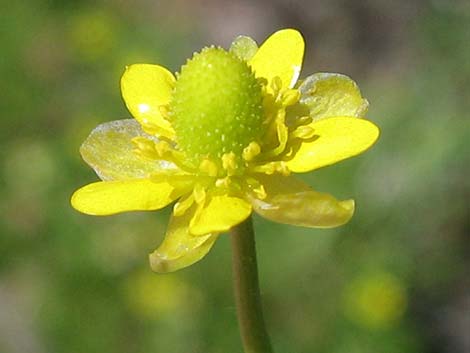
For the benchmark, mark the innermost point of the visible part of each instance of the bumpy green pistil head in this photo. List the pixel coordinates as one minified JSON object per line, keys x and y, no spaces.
{"x":216,"y":106}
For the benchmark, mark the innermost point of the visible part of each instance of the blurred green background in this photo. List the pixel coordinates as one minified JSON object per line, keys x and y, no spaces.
{"x":395,"y":279}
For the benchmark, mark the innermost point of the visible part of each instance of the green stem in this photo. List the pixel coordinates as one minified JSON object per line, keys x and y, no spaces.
{"x":247,"y":295}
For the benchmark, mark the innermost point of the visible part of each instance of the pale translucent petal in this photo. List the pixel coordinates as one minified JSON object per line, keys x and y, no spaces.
{"x":145,"y":89}
{"x":244,"y":47}
{"x":180,"y":249}
{"x":110,"y":152}
{"x":329,"y":95}
{"x":280,"y":55}
{"x":220,"y":214}
{"x":110,"y":197}
{"x":291,"y":201}
{"x":335,"y":139}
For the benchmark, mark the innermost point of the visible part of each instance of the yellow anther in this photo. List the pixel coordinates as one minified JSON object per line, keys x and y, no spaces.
{"x":223,"y":182}
{"x":183,"y":205}
{"x":143,"y":143}
{"x":161,"y":150}
{"x":276,"y":84}
{"x":197,"y":214}
{"x":229,"y":163}
{"x":304,"y":120}
{"x":162,"y":147}
{"x":209,"y":167}
{"x":154,"y":129}
{"x":282,"y":135}
{"x":164,"y":110}
{"x":262,"y":81}
{"x":251,"y":151}
{"x":260,"y":192}
{"x":257,"y":188}
{"x":199,"y":194}
{"x":272,"y":167}
{"x":290,"y":97}
{"x":145,"y":148}
{"x":303,"y":132}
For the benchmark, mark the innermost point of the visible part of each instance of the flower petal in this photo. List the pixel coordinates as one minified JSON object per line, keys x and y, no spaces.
{"x":291,"y":201}
{"x":145,"y":88}
{"x":110,"y":197}
{"x":110,"y":152}
{"x":220,"y":214}
{"x":328,"y":95}
{"x":180,"y":249}
{"x":280,"y":55}
{"x":335,"y":139}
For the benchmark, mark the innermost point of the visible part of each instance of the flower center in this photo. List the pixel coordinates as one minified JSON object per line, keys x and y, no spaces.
{"x":216,"y":106}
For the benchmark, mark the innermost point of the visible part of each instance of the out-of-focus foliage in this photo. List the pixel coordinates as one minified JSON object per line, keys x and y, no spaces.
{"x":395,"y":279}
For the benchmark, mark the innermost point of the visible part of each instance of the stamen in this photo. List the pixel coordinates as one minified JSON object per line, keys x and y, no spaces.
{"x":166,"y":152}
{"x":257,"y":188}
{"x":199,"y":194}
{"x":223,"y":182}
{"x":229,"y":163}
{"x":165,"y":110}
{"x":282,"y":136}
{"x":183,"y":205}
{"x":154,"y":129}
{"x":143,"y":143}
{"x":302,"y":132}
{"x":162,"y":148}
{"x":271,"y":168}
{"x":171,"y":177}
{"x":304,"y":120}
{"x":290,"y":97}
{"x":251,"y":151}
{"x":200,"y":198}
{"x":276,"y":84}
{"x":262,"y":81}
{"x":145,"y":148}
{"x":209,"y":167}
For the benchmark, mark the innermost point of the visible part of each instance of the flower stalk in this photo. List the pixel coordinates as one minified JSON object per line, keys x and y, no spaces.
{"x":253,"y":331}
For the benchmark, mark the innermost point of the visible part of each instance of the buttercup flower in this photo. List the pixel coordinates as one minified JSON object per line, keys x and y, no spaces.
{"x":222,"y":139}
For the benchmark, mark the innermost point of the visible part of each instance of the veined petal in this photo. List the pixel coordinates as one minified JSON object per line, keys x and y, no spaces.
{"x":145,"y":88}
{"x":291,"y":201}
{"x":180,"y":248}
{"x":280,"y":55}
{"x":110,"y":152}
{"x":328,"y":95}
{"x":335,"y":139}
{"x":221,"y":213}
{"x":110,"y":197}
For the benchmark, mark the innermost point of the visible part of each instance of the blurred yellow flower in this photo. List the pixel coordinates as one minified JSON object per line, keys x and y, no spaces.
{"x":93,"y":34}
{"x":154,"y":297}
{"x":222,"y":139}
{"x":376,"y":300}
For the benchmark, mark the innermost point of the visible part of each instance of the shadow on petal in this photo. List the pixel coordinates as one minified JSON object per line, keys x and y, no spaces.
{"x":180,"y":249}
{"x":291,"y":201}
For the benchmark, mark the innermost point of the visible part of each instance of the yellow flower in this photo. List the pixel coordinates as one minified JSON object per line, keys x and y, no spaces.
{"x":376,"y":300}
{"x":222,"y":139}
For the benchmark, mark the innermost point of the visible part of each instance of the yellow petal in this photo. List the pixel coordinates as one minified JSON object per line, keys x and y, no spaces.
{"x":334,"y":139}
{"x":328,"y":95}
{"x":220,"y":214}
{"x":145,"y":88}
{"x":291,"y":201}
{"x":110,"y":197}
{"x":180,"y":249}
{"x":280,"y":55}
{"x":110,"y":152}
